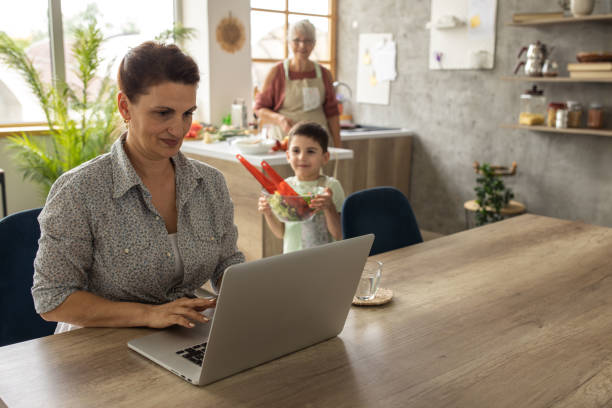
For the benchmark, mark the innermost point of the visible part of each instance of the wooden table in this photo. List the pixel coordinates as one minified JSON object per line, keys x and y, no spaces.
{"x":513,"y":314}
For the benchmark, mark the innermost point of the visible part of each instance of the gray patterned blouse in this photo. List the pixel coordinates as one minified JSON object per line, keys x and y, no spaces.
{"x":101,"y":233}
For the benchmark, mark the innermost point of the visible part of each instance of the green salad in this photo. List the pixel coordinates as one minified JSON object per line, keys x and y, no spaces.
{"x":291,"y":208}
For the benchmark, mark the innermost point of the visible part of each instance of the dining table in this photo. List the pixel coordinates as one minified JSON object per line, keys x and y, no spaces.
{"x":517,"y":313}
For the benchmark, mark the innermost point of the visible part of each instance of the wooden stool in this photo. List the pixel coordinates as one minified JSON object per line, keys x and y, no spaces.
{"x":513,"y":208}
{"x":3,"y":188}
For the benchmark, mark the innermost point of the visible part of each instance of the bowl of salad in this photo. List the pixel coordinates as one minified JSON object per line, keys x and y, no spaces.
{"x":292,"y":208}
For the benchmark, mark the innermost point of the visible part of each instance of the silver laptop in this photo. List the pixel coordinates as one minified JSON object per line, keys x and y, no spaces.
{"x":266,"y":309}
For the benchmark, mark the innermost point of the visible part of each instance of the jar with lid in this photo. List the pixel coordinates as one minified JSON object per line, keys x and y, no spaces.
{"x":532,"y":107}
{"x":595,"y":117}
{"x":574,"y":114}
{"x":551,"y":113}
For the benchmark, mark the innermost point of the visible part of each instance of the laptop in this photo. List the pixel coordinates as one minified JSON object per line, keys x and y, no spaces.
{"x":266,"y":309}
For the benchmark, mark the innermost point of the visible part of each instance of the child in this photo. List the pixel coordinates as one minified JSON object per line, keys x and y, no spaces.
{"x":307,"y":154}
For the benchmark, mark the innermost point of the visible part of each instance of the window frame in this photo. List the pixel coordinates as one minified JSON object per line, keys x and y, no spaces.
{"x":332,"y":24}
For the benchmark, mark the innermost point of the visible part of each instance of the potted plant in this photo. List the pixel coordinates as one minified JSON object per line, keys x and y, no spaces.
{"x":82,"y":118}
{"x":492,"y":195}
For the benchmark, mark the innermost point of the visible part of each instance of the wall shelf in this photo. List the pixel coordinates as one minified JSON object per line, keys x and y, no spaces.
{"x":565,"y":20}
{"x":554,"y":79}
{"x":574,"y":131}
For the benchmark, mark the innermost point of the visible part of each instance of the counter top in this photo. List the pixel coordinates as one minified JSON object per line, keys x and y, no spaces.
{"x":349,"y":135}
{"x":224,"y":151}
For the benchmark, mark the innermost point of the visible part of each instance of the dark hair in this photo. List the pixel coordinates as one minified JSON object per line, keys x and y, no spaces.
{"x":152,"y":63}
{"x":311,"y":130}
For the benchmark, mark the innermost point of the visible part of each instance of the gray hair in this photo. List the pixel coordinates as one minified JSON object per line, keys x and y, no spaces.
{"x":304,"y":27}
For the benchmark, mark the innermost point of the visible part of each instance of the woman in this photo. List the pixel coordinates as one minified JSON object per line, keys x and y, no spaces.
{"x":127,"y":237}
{"x":300,"y":89}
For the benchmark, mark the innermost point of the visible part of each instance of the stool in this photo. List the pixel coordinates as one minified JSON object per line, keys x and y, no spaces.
{"x":3,"y":189}
{"x":513,"y":208}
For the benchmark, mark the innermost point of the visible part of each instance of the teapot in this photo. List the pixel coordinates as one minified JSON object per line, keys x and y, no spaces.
{"x":536,"y":55}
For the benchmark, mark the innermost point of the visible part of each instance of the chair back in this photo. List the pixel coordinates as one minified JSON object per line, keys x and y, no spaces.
{"x":19,"y":234}
{"x":383,"y":211}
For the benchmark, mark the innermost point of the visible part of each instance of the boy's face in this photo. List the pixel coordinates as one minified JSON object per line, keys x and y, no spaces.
{"x":306,"y":157}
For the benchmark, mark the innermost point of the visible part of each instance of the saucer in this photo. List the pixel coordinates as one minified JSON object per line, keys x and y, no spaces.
{"x":382,"y":296}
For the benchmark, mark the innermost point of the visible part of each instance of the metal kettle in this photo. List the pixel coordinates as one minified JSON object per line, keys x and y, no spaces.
{"x":536,"y":55}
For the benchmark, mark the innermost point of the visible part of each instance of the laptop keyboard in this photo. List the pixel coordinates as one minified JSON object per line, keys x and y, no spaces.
{"x":195,"y":354}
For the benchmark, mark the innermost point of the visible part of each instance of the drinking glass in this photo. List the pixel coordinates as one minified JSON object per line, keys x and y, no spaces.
{"x":370,"y":279}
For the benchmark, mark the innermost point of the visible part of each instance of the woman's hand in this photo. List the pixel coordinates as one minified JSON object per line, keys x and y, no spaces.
{"x":285,"y":123}
{"x":263,"y":206}
{"x":323,"y":201}
{"x":183,"y":311}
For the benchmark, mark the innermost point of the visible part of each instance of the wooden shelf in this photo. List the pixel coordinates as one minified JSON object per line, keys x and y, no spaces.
{"x":574,"y":131}
{"x":555,"y":79}
{"x":564,"y":20}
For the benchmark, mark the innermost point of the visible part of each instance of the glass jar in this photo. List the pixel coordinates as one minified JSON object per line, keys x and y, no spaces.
{"x":532,"y":107}
{"x":595,"y":117}
{"x":561,"y":118}
{"x":551,"y":113}
{"x":574,"y":114}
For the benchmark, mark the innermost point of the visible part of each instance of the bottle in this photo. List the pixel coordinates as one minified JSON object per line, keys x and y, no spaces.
{"x":239,"y":114}
{"x":561,"y":118}
{"x":551,"y":116}
{"x":595,"y":117}
{"x":574,"y":114}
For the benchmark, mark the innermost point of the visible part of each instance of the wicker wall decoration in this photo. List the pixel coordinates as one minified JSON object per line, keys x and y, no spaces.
{"x":230,"y":34}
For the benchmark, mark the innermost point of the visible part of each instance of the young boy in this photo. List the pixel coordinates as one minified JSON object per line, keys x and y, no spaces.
{"x":307,"y":154}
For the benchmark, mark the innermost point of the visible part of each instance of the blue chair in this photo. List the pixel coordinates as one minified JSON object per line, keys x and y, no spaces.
{"x":384,"y":211}
{"x":19,"y":321}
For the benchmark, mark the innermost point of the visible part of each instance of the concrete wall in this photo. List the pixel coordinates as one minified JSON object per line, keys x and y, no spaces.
{"x":457,"y":114}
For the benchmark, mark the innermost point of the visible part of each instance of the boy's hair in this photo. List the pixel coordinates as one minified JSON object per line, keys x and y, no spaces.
{"x":311,"y":130}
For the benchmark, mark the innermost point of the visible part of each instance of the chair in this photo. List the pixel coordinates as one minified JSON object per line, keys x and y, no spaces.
{"x":384,"y":211}
{"x":19,"y":321}
{"x":3,"y":191}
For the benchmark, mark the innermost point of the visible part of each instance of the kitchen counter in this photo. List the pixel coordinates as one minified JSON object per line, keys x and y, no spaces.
{"x":368,"y":158}
{"x":225,"y":151}
{"x":347,"y":135}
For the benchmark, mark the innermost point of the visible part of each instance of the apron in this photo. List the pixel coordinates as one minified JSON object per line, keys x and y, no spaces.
{"x":304,"y":99}
{"x":314,"y":231}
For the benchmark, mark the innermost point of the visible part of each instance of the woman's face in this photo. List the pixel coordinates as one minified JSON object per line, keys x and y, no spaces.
{"x":302,"y":45}
{"x":159,"y":119}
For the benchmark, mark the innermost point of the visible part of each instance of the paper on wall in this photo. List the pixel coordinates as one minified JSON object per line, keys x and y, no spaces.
{"x":383,"y":61}
{"x":370,"y":89}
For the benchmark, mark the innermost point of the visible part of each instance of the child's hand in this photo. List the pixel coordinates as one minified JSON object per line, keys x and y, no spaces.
{"x":263,"y":206}
{"x":323,"y":201}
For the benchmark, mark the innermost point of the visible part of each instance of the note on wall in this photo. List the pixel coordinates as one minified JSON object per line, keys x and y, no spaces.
{"x":462,"y":34}
{"x":375,"y":68}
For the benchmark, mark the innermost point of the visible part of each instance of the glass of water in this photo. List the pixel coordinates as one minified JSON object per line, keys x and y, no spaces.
{"x":370,"y":279}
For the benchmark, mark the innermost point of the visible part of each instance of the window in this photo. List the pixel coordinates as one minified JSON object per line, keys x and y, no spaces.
{"x":26,"y":22}
{"x":270,"y":21}
{"x":123,"y":24}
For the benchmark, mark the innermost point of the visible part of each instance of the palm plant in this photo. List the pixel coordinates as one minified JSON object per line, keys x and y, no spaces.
{"x":81,"y":125}
{"x":83,"y":119}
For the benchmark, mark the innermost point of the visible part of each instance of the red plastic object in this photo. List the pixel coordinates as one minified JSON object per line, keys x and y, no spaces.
{"x":286,"y":190}
{"x":263,"y":180}
{"x":281,"y":185}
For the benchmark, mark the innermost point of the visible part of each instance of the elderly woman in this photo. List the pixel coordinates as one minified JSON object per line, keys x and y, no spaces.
{"x":299,"y":89}
{"x":127,"y":237}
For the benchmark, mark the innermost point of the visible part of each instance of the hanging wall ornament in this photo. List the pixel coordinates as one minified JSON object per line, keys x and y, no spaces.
{"x":230,"y":34}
